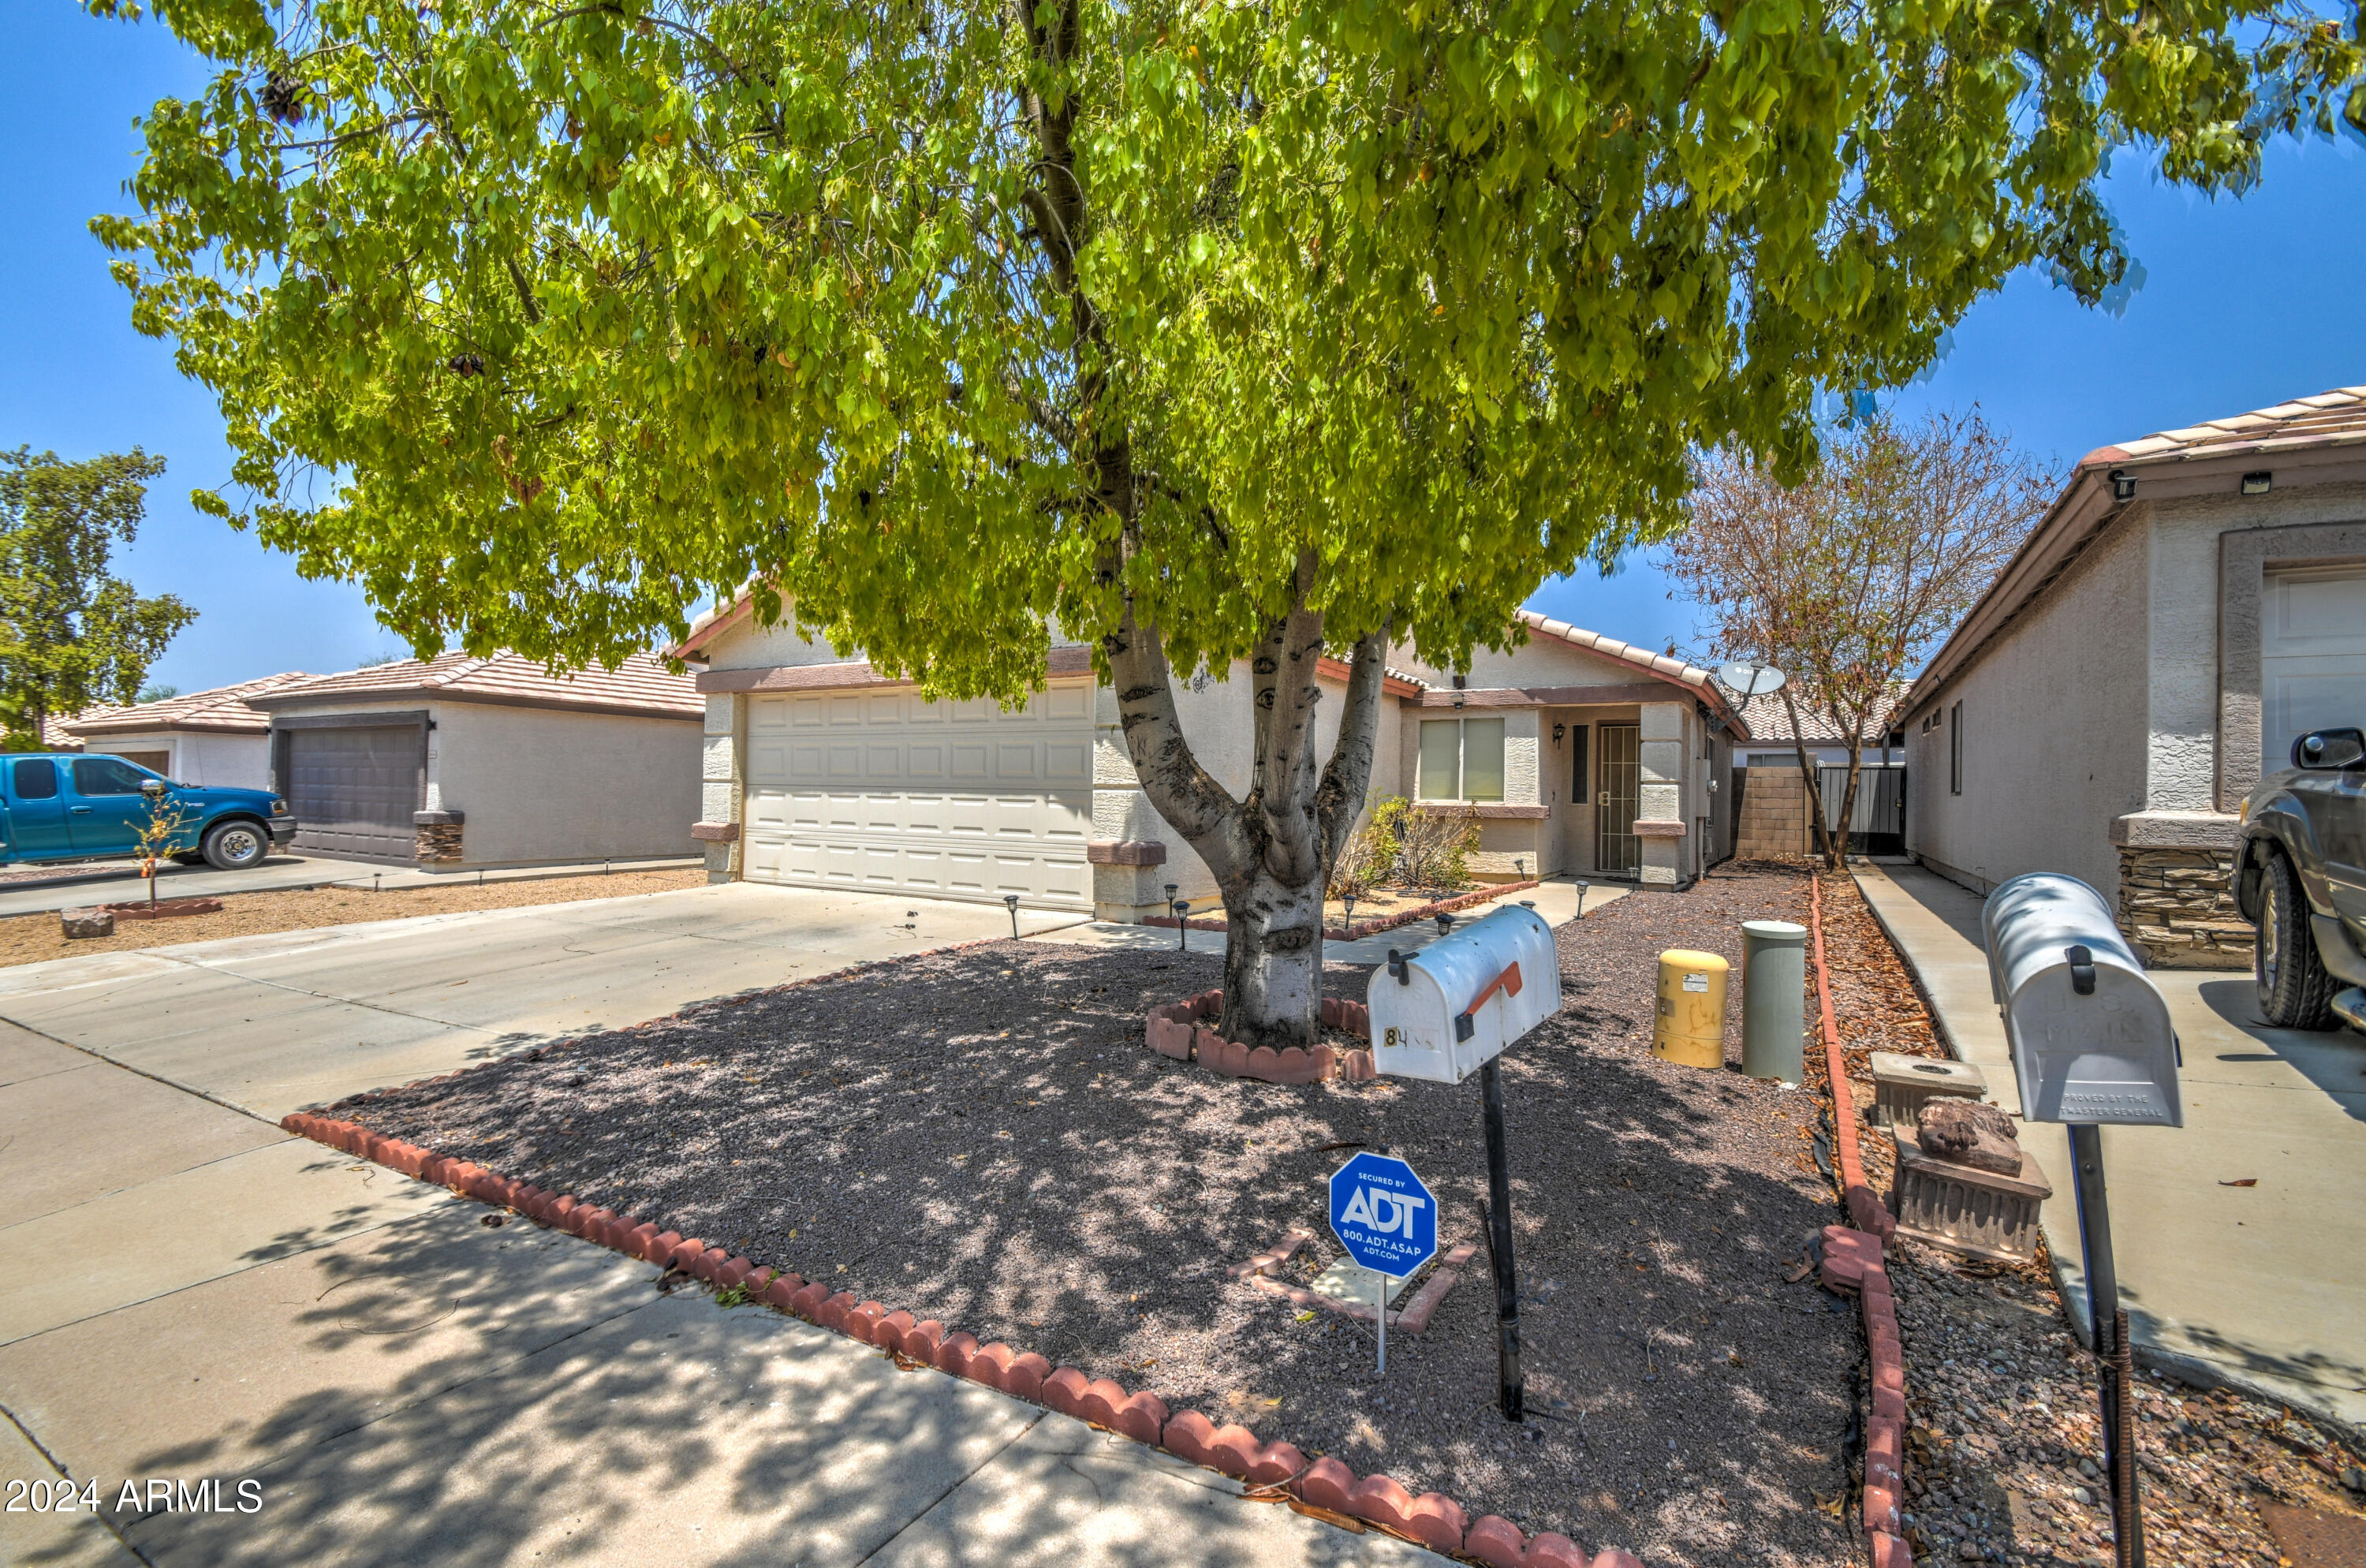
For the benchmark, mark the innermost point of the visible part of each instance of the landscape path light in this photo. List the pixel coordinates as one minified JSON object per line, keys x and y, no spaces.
{"x":1182,"y":907}
{"x":1010,"y":902}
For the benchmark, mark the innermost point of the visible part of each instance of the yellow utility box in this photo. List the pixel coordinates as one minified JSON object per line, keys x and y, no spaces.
{"x":1690,"y":1028}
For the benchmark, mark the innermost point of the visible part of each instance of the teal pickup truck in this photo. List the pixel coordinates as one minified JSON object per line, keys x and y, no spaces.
{"x":64,"y":806}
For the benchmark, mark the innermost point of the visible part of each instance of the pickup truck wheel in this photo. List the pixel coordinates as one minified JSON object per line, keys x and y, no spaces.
{"x":236,"y":846}
{"x":2295,"y":992}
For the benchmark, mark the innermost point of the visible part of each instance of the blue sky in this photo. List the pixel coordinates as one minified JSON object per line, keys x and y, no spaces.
{"x":2246,"y":304}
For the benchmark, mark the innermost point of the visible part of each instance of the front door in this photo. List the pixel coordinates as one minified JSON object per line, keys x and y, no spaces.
{"x":1577,"y":823}
{"x":1617,"y":796}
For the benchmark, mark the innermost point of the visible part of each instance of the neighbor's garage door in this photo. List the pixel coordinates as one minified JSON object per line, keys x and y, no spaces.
{"x":352,"y":791}
{"x":2312,"y":657}
{"x":879,"y":790}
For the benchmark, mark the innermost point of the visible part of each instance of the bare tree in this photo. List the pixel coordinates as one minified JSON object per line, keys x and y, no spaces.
{"x":1847,"y":579}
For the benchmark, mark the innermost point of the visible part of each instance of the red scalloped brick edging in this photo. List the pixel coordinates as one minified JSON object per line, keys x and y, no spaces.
{"x":1374,"y":927}
{"x":1430,"y":1518}
{"x":1852,"y":1260}
{"x":1176,"y":1031}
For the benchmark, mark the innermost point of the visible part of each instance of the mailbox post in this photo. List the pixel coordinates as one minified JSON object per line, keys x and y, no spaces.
{"x":2091,"y":1044}
{"x":1448,"y":1011}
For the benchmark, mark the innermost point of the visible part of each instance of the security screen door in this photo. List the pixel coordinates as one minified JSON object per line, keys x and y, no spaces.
{"x":1619,"y":770}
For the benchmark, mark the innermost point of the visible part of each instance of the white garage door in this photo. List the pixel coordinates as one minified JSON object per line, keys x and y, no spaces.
{"x":880,"y":790}
{"x":2312,"y":657}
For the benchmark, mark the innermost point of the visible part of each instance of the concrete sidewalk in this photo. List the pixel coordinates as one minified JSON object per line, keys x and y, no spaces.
{"x":2261,"y":1286}
{"x":196,"y":1295}
{"x":109,"y":882}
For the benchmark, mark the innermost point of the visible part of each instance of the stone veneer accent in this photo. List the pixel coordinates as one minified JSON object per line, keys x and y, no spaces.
{"x":438,"y":839}
{"x":2177,"y":908}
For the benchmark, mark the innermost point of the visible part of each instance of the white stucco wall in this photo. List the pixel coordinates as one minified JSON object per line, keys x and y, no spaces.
{"x":2182,"y":751}
{"x":545,"y":786}
{"x":2055,"y":726}
{"x":212,"y":759}
{"x":538,"y":784}
{"x":750,"y":647}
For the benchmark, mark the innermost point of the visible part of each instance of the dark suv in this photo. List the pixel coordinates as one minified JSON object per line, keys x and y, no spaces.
{"x":2300,"y":876}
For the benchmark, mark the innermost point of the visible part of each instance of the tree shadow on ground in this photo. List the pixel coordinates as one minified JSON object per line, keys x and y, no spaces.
{"x":981,"y":1136}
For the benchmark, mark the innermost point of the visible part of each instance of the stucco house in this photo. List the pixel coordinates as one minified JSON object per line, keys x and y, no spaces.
{"x":2193,"y":602}
{"x":462,"y":763}
{"x":1578,"y":754}
{"x":213,"y":737}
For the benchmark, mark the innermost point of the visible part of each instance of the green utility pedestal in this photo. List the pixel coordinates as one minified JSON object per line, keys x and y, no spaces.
{"x":1774,"y":986}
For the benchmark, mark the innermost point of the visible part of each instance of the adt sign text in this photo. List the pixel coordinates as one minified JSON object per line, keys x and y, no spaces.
{"x":1383,"y":1215}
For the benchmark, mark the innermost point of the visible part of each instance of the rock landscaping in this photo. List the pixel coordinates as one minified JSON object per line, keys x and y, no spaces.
{"x":983,"y":1141}
{"x":2003,"y":1443}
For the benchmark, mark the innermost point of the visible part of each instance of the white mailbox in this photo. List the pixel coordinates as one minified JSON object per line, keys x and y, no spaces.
{"x":2090,"y":1035}
{"x":1443,"y":1012}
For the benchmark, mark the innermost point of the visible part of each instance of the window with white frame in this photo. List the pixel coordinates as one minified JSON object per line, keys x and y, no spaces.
{"x":1461,"y":759}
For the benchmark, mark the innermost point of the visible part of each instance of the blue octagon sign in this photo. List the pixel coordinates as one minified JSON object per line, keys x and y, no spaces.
{"x":1383,"y":1215}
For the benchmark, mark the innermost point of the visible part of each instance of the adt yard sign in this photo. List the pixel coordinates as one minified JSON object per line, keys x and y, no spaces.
{"x":1383,"y":1215}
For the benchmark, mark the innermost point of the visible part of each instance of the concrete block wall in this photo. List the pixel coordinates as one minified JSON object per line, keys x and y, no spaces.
{"x":1774,"y":819}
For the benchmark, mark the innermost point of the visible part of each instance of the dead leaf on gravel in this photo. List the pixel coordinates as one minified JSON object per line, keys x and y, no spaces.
{"x":1827,"y":1505}
{"x":1796,"y":1272}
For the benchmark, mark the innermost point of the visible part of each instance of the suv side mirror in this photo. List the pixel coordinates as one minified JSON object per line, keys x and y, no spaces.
{"x":2329,"y":748}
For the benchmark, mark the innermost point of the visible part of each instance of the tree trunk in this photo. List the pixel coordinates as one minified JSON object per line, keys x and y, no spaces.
{"x":1270,"y":852}
{"x":1273,"y":961}
{"x":1819,"y":836}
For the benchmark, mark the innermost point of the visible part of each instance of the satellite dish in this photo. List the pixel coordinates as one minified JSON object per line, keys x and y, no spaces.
{"x":1748,"y":681}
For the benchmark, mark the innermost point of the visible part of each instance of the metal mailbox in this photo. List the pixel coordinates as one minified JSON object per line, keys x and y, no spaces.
{"x":2091,"y":1036}
{"x":1443,"y":1012}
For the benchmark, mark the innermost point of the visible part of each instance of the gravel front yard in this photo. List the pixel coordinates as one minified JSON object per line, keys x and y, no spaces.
{"x":31,"y":939}
{"x":982,"y":1136}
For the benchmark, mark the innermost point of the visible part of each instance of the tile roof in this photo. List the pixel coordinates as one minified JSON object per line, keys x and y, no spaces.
{"x":2329,"y":419}
{"x":222,"y":709}
{"x":1666,"y":666}
{"x":1770,"y":724}
{"x":639,"y":685}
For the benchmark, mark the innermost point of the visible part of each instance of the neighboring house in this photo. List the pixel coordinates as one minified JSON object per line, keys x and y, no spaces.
{"x":461,"y":762}
{"x":1771,"y":810}
{"x":1577,"y":752}
{"x":2194,"y":601}
{"x":211,"y":739}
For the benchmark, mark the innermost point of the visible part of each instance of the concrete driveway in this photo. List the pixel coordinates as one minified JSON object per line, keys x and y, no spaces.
{"x":2259,"y":1284}
{"x":272,"y":1023}
{"x":193,"y":1295}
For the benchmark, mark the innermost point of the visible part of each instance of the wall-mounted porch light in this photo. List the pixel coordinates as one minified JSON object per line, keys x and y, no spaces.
{"x":1559,"y":730}
{"x":2258,"y":483}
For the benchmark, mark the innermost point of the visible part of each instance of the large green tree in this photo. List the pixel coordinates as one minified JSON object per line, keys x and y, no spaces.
{"x":71,"y":633}
{"x":1205,"y":331}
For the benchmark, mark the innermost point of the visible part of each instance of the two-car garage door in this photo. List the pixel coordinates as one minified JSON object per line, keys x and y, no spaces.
{"x":881,"y":791}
